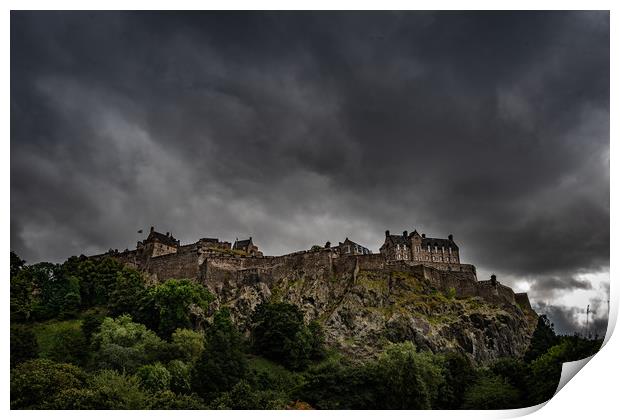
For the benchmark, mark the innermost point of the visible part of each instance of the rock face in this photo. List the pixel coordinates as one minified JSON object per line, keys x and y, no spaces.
{"x":365,"y":303}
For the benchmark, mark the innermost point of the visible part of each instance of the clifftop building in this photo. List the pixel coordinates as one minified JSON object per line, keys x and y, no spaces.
{"x":248,"y":247}
{"x":417,"y":248}
{"x":348,"y":247}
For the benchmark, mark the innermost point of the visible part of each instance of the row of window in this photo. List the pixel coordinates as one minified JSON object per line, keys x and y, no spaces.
{"x":405,"y":256}
{"x":428,"y":248}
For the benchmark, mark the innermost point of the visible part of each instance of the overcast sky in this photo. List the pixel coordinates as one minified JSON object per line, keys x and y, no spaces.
{"x":299,"y":128}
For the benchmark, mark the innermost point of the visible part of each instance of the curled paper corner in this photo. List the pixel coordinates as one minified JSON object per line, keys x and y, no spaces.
{"x":570,"y":369}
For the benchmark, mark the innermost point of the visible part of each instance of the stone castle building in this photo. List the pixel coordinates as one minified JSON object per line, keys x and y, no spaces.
{"x":348,"y":247}
{"x":417,"y":248}
{"x":248,"y":247}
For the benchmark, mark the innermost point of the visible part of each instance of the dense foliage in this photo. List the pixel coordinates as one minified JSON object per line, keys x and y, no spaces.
{"x":91,"y":334}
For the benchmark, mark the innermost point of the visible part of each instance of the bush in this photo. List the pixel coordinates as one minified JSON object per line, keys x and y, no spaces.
{"x":181,"y":376}
{"x":154,"y":377}
{"x":168,"y":400}
{"x":339,"y":385}
{"x":174,"y":304}
{"x":243,"y":397}
{"x":68,"y":345}
{"x":491,"y":392}
{"x":36,"y":382}
{"x":125,"y":345}
{"x":90,"y":325}
{"x":279,"y":333}
{"x":223,"y":362}
{"x":117,"y":391}
{"x":23,"y":344}
{"x":407,"y":380}
{"x":126,"y":292}
{"x":188,"y":345}
{"x":459,"y":373}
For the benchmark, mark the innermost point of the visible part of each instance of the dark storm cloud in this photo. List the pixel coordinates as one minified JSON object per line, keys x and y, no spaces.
{"x":302,"y":128}
{"x":570,"y":320}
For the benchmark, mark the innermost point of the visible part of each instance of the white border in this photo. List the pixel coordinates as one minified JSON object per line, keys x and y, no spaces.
{"x":592,"y":394}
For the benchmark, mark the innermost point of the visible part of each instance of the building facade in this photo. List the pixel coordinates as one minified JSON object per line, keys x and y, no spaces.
{"x":417,"y":247}
{"x":248,"y":247}
{"x":348,"y":247}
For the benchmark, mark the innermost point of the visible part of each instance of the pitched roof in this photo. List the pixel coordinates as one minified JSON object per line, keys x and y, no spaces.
{"x":164,"y":239}
{"x":242,"y":244}
{"x":398,"y":239}
{"x":350,"y":242}
{"x":447,"y":243}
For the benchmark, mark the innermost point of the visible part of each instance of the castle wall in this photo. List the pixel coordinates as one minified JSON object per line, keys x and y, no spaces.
{"x":523,"y":301}
{"x":222,"y":271}
{"x":173,"y":266}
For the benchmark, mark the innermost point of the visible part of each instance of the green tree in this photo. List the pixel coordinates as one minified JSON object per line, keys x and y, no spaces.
{"x":58,"y":294}
{"x":126,"y":292}
{"x":408,"y":379}
{"x":317,"y":341}
{"x":181,"y":376}
{"x":339,"y":385}
{"x":187,"y":345}
{"x":154,"y":377}
{"x":491,"y":392}
{"x":279,"y":333}
{"x":118,"y":391}
{"x":23,"y":344}
{"x":516,"y":373}
{"x":22,"y":301}
{"x":125,"y":345}
{"x":543,"y":339}
{"x":90,"y":325}
{"x":168,"y":400}
{"x":243,"y":397}
{"x":36,"y":382}
{"x":68,"y":345}
{"x":16,"y":264}
{"x":222,"y":363}
{"x":97,"y":277}
{"x":175,"y":304}
{"x":459,"y":373}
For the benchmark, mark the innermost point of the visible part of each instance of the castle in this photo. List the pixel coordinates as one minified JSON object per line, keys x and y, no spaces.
{"x":212,"y":261}
{"x":417,"y":248}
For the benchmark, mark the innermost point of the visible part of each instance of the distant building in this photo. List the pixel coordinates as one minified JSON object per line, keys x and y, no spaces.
{"x":248,"y":247}
{"x":348,"y":247}
{"x":418,"y":248}
{"x":157,"y":244}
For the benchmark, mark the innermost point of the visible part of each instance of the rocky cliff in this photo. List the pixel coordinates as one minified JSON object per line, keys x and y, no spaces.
{"x":365,"y":303}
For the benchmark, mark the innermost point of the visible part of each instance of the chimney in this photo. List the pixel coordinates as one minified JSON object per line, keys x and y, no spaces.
{"x":404,"y":234}
{"x":152,"y":229}
{"x":424,"y":236}
{"x":450,"y":237}
{"x":493,"y":279}
{"x":328,"y":244}
{"x":168,"y":234}
{"x":387,"y":233}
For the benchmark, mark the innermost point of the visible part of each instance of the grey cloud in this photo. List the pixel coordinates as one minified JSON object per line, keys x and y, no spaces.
{"x":571,"y":320}
{"x":298,"y":128}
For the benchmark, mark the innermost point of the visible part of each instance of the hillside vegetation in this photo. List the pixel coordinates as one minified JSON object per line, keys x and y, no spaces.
{"x":93,"y":335}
